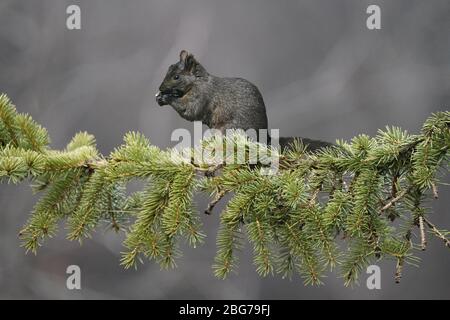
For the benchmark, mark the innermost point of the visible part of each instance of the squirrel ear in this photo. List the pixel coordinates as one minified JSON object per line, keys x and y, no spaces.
{"x":183,"y":55}
{"x":187,"y":60}
{"x":190,"y":64}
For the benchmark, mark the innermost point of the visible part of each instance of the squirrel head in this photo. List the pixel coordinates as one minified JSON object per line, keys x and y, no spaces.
{"x":180,"y":78}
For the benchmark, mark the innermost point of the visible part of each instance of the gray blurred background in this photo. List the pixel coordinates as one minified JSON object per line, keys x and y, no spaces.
{"x":322,"y":73}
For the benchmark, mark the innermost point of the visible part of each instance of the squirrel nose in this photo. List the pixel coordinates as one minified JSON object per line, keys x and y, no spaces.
{"x":161,"y":99}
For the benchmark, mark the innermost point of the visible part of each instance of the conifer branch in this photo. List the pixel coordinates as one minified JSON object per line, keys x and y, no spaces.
{"x":294,"y":219}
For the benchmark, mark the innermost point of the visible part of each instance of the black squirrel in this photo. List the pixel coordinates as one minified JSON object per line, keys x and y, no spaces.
{"x":220,"y":103}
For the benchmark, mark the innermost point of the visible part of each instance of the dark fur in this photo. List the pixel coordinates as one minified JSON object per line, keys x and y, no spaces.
{"x":220,"y":103}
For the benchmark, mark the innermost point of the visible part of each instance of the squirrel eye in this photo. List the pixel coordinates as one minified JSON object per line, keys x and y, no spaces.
{"x":176,"y":77}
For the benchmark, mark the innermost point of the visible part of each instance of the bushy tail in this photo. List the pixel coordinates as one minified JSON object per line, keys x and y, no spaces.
{"x":310,"y":144}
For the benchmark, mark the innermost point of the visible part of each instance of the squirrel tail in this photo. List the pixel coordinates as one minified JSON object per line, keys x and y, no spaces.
{"x":311,"y":145}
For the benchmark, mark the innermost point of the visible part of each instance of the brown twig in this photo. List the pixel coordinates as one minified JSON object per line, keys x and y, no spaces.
{"x":394,"y":200}
{"x":394,"y":186}
{"x":219,"y":195}
{"x":437,"y":233}
{"x":399,"y":270}
{"x":423,"y":239}
{"x":211,"y":172}
{"x":96,"y":164}
{"x":114,"y":224}
{"x":435,"y":190}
